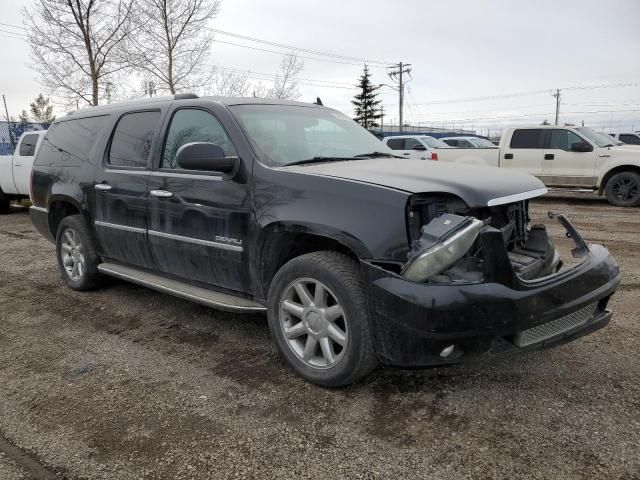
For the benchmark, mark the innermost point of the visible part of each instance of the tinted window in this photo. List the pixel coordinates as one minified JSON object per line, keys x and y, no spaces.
{"x":69,"y":143}
{"x":563,"y":139}
{"x":629,"y":139}
{"x":190,"y":125}
{"x":28,"y":145}
{"x":132,"y":139}
{"x":396,"y":144}
{"x":409,"y":143}
{"x":451,"y":142}
{"x":527,"y":138}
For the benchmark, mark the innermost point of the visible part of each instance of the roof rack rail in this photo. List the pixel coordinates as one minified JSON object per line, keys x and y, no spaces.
{"x":184,"y":96}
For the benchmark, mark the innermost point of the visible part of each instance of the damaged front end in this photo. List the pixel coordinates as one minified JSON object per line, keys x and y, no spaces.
{"x":453,"y":243}
{"x":482,"y":282}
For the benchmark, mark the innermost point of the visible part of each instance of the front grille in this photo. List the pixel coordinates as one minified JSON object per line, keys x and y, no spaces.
{"x":555,"y":327}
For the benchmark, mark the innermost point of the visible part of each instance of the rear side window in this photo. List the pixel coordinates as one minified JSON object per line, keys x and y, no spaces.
{"x":191,"y":125}
{"x":132,"y":139}
{"x":629,"y":139}
{"x":28,"y":145}
{"x":527,"y":138}
{"x":410,"y":143}
{"x":69,"y":143}
{"x":396,"y":144}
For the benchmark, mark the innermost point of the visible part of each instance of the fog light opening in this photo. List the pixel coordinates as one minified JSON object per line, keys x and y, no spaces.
{"x":447,"y":351}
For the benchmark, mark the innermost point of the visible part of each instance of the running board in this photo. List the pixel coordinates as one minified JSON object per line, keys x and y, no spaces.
{"x":200,"y":295}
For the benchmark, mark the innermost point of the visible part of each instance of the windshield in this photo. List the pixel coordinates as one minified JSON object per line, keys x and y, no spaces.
{"x":481,"y":143}
{"x":600,"y":139}
{"x":434,"y":142}
{"x":285,"y":134}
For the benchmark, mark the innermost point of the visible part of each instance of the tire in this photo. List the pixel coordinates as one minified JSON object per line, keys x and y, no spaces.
{"x":5,"y":204}
{"x":342,"y":289}
{"x":623,"y":189}
{"x":74,"y":232}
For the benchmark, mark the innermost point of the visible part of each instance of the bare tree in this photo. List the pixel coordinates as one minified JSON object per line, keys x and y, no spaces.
{"x":172,"y":41}
{"x":231,"y":84}
{"x":285,"y":85}
{"x":76,"y":45}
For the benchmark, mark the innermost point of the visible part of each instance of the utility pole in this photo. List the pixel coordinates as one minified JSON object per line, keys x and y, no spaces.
{"x":557,"y":97}
{"x":398,"y":75}
{"x":6,"y":110}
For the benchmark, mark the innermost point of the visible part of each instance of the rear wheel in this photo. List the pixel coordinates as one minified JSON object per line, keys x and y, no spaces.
{"x":318,"y":316}
{"x":623,"y":189}
{"x":77,"y":255}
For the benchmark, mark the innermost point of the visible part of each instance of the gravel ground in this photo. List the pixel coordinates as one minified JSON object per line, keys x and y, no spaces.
{"x":125,"y":383}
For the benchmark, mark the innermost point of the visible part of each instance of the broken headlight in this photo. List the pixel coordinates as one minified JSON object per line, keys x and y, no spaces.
{"x":443,"y":242}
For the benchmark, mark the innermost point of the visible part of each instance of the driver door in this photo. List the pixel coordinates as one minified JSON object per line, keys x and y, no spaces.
{"x":563,"y":167}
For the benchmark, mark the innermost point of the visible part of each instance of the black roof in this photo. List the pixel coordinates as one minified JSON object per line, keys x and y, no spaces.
{"x":155,"y":101}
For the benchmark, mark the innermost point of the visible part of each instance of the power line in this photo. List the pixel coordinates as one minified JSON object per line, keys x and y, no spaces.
{"x":299,"y":49}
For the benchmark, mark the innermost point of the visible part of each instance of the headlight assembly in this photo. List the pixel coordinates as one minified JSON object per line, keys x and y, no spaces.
{"x":443,"y":242}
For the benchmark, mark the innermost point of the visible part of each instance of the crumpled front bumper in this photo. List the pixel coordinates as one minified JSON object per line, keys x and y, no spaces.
{"x":413,"y":322}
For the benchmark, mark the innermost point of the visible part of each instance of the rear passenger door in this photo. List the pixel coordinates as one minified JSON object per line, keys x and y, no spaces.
{"x":525,"y":151}
{"x":121,"y":189}
{"x":198,"y":220}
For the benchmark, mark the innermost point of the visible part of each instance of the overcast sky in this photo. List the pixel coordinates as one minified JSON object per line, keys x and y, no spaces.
{"x":513,"y":51}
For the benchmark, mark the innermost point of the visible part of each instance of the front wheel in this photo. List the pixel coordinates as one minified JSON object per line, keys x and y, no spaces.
{"x":318,"y":316}
{"x":623,"y":189}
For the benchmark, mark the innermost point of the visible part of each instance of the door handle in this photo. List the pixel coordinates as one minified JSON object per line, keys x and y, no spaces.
{"x":160,"y":193}
{"x":508,"y":156}
{"x":549,"y":156}
{"x":406,"y":154}
{"x":105,"y":187}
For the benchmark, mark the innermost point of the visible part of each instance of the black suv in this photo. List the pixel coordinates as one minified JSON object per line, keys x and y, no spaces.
{"x":357,"y":256}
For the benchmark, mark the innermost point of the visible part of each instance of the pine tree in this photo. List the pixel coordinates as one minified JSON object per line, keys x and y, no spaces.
{"x":41,"y":110}
{"x":24,"y":117}
{"x":366,"y":103}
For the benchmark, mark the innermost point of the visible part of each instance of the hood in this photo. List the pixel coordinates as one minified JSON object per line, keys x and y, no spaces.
{"x":478,"y":186}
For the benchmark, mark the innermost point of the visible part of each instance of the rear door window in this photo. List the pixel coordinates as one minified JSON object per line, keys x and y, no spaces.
{"x":396,"y":144}
{"x":527,"y":138}
{"x":410,"y":143}
{"x":28,"y":145}
{"x":132,"y":139}
{"x":192,"y":125}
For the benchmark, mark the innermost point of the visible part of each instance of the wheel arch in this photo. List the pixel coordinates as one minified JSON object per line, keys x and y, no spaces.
{"x":620,"y":168}
{"x":61,"y":206}
{"x":280,"y":242}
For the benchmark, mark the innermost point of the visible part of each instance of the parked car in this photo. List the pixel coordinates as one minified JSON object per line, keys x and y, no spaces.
{"x":627,"y":138}
{"x":420,"y":147}
{"x":565,"y":157}
{"x":468,"y":142}
{"x":15,"y":171}
{"x":295,"y":210}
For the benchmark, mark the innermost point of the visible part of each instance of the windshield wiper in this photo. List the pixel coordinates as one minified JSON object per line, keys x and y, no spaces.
{"x":377,"y":154}
{"x":321,"y":158}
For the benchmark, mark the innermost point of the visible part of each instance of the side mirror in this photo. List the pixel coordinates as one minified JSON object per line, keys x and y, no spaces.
{"x":581,"y":147}
{"x":419,"y":146}
{"x":205,"y":156}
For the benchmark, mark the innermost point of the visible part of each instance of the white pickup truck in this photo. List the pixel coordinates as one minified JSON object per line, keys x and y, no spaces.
{"x":564,"y":157}
{"x":15,"y":171}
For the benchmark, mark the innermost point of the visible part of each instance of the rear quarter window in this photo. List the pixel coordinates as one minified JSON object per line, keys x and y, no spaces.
{"x":527,"y":138}
{"x":69,"y":143}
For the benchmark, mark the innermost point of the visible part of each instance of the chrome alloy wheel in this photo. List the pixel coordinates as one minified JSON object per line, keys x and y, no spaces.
{"x":72,"y":254}
{"x":313,"y":323}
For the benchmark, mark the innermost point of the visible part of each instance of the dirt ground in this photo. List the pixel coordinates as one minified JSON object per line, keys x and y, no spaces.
{"x":127,"y":383}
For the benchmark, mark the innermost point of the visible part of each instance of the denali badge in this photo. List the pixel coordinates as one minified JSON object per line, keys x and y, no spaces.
{"x":228,"y":240}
